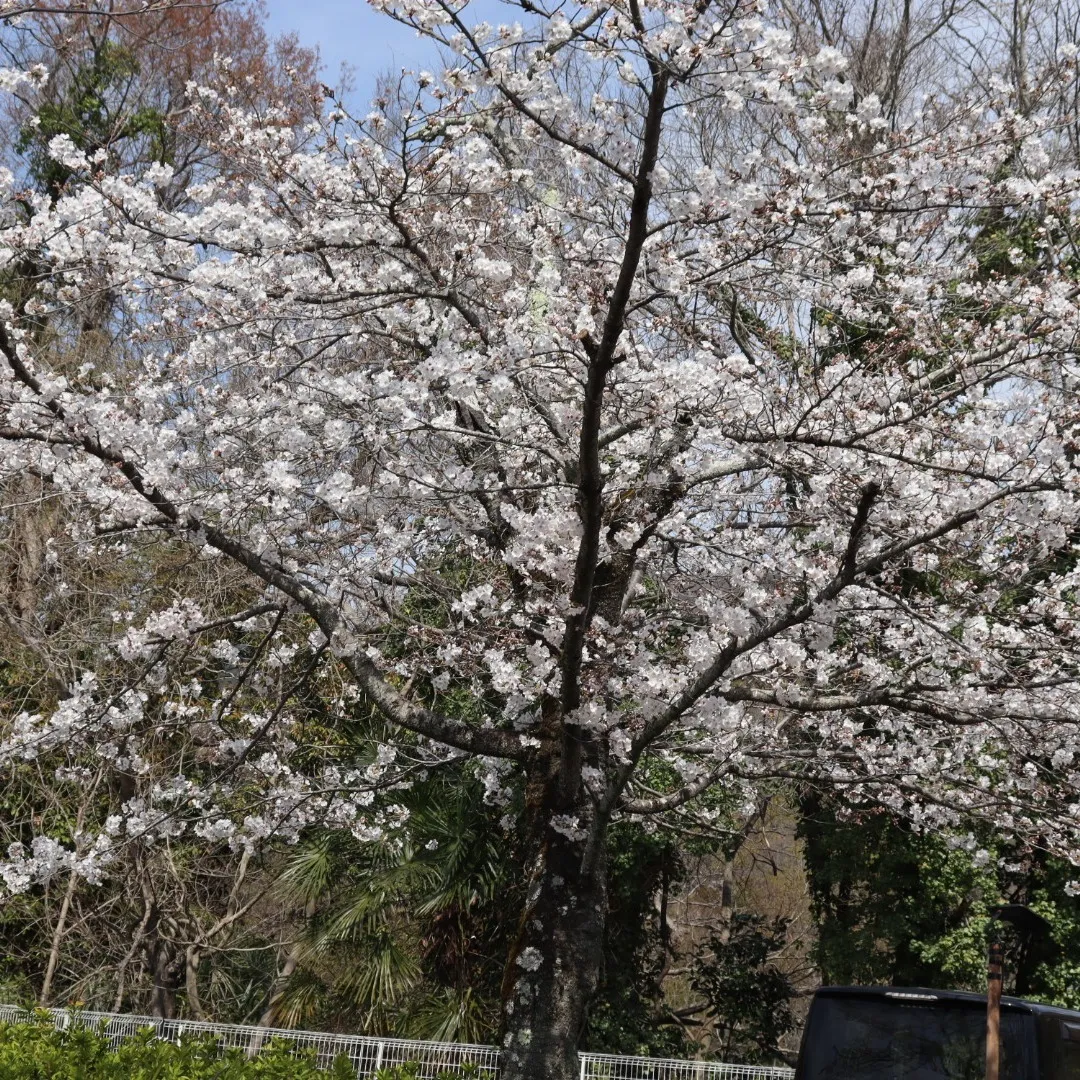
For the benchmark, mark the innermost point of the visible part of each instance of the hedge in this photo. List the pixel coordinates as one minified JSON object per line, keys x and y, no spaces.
{"x":37,"y":1050}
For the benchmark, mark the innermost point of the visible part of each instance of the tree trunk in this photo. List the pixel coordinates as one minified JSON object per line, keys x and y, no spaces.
{"x":192,"y":959}
{"x":554,"y":965}
{"x":57,"y":941}
{"x":136,"y":943}
{"x":163,"y":1002}
{"x":292,"y":962}
{"x":167,"y":971}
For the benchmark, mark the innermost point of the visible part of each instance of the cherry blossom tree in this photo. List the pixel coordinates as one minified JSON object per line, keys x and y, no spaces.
{"x":626,"y":465}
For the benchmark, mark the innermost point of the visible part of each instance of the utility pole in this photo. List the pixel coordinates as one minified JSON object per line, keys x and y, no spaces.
{"x":993,"y":1007}
{"x":1029,"y":924}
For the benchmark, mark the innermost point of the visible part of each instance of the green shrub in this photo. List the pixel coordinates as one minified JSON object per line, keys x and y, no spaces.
{"x":411,"y":1071}
{"x":37,"y":1050}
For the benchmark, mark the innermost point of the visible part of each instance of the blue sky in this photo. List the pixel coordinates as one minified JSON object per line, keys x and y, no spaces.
{"x":350,"y":31}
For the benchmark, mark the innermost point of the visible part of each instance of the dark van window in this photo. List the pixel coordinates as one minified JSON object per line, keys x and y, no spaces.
{"x":1060,"y":1048}
{"x":878,"y":1038}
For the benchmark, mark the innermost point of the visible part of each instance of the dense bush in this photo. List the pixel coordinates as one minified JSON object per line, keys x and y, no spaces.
{"x":38,"y":1051}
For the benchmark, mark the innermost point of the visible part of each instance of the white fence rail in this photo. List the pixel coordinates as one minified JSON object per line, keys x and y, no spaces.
{"x":369,"y":1054}
{"x":618,"y":1067}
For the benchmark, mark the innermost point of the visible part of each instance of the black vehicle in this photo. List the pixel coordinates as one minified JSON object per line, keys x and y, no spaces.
{"x":891,"y":1033}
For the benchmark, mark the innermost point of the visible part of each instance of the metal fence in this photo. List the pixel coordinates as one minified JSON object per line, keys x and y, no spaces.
{"x":618,"y":1067}
{"x":369,"y":1054}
